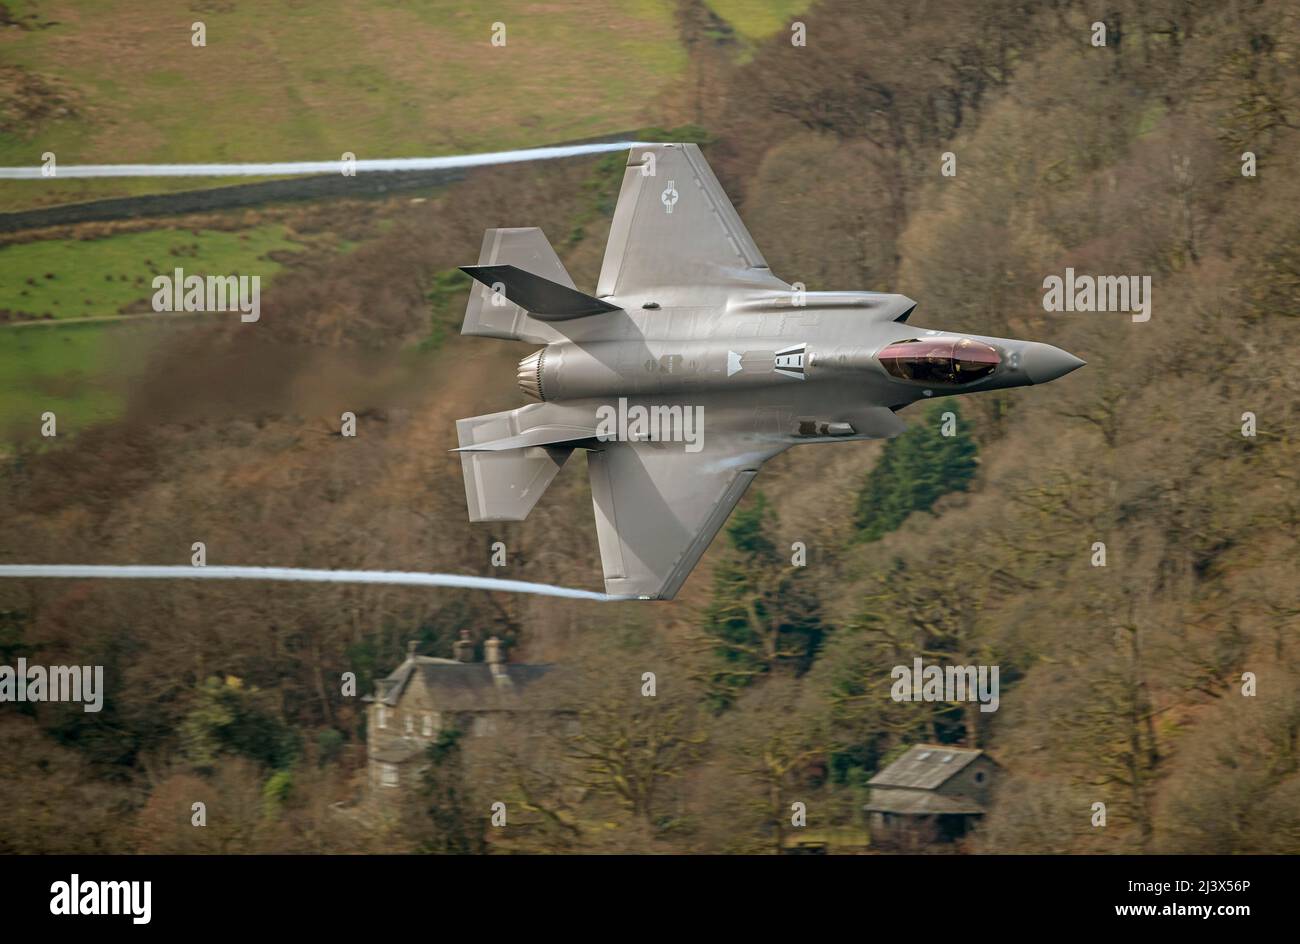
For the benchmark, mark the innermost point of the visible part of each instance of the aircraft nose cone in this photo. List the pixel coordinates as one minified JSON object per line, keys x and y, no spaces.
{"x":1044,"y":363}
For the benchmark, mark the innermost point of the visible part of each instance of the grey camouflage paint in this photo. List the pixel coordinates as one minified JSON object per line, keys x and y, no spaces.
{"x":698,"y":319}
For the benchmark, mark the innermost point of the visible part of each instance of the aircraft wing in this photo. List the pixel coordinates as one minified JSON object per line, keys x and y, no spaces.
{"x":658,"y":508}
{"x":675,"y":227}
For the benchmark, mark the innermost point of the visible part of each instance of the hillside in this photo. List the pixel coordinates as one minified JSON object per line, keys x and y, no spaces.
{"x":1121,"y":684}
{"x":125,"y":83}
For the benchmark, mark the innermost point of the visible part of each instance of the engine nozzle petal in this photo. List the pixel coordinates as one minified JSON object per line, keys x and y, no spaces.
{"x":530,"y":375}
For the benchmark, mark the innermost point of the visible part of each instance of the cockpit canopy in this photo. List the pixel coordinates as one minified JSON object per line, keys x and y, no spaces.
{"x":947,"y":362}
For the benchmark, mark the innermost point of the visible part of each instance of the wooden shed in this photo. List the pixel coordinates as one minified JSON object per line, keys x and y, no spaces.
{"x":933,"y":794}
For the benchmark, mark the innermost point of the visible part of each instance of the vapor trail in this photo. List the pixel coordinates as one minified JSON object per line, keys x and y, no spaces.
{"x":400,"y":577}
{"x":286,"y":168}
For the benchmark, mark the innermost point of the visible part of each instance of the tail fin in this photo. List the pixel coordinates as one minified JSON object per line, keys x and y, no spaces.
{"x":499,"y":317}
{"x":504,"y":484}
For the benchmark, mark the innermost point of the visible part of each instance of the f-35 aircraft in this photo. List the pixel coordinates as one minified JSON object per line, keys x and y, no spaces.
{"x":690,"y":367}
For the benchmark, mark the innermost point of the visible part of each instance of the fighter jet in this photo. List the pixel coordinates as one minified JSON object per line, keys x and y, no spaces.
{"x":691,"y":366}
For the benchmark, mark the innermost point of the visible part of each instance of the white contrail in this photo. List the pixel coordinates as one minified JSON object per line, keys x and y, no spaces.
{"x":284,"y":168}
{"x":400,"y":577}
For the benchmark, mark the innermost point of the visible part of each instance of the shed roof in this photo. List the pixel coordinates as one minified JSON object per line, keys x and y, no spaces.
{"x":918,"y":802}
{"x":925,"y":767}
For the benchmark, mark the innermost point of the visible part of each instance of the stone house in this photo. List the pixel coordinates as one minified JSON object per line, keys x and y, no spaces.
{"x":425,"y":695}
{"x":933,"y":794}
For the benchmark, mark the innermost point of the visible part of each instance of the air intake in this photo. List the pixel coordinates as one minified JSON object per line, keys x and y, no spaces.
{"x":530,"y":375}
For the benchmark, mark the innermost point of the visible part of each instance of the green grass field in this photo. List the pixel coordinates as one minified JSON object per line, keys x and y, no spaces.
{"x":75,"y":278}
{"x":79,"y":370}
{"x":76,"y":371}
{"x":758,"y":19}
{"x":379,"y":78}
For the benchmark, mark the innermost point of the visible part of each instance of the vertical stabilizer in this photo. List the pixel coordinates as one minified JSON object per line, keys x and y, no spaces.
{"x":505,"y":485}
{"x":487,"y":316}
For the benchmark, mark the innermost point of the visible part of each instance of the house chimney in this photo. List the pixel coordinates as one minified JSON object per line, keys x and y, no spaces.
{"x":462,"y":650}
{"x":492,"y":655}
{"x":410,"y":650}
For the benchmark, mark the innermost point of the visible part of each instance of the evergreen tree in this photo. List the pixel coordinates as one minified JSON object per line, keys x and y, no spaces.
{"x":229,"y":717}
{"x":914,"y":470}
{"x":765,"y":613}
{"x":456,"y":828}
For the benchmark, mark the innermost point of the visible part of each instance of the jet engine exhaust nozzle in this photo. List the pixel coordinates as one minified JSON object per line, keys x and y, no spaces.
{"x":530,"y":375}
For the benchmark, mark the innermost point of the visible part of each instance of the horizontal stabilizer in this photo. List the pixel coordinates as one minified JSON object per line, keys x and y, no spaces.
{"x":537,"y":436}
{"x":540,"y":297}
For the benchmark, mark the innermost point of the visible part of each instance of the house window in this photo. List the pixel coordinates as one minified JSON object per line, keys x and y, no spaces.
{"x":483,"y":726}
{"x":382,"y":715}
{"x":388,"y":775}
{"x":410,"y":723}
{"x":979,"y":776}
{"x":428,"y":724}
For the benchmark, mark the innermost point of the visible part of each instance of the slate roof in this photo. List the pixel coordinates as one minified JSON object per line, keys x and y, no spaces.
{"x":918,"y":802}
{"x":459,"y":685}
{"x":925,"y":767}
